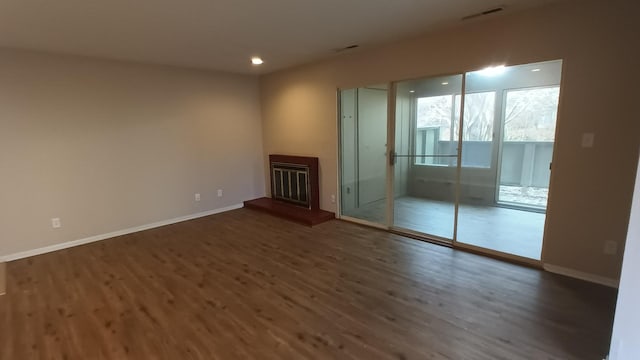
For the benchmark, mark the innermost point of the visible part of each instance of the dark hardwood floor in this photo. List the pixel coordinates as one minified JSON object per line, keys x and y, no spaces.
{"x":246,"y":285}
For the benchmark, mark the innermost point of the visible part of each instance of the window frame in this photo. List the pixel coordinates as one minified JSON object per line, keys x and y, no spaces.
{"x":452,"y":161}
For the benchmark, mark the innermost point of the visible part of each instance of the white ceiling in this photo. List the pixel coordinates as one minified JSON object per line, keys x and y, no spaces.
{"x":223,"y":34}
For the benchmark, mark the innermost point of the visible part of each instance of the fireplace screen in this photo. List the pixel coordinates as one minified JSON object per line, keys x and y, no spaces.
{"x":290,"y":182}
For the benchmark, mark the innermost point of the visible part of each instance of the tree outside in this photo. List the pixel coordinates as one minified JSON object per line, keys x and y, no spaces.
{"x":530,"y":115}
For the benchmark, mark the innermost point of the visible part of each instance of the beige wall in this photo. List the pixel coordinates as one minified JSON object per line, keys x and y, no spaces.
{"x":590,"y":188}
{"x":107,"y":146}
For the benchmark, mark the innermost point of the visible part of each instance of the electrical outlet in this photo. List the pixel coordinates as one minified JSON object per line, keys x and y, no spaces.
{"x":587,"y":140}
{"x":219,"y":192}
{"x":197,"y":196}
{"x":333,"y":199}
{"x":55,"y":223}
{"x":610,"y":247}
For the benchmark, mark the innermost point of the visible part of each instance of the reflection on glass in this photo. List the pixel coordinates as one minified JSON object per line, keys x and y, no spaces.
{"x":363,"y":153}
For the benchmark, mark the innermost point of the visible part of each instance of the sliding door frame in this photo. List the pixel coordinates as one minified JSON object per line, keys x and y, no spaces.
{"x":391,"y":147}
{"x":391,"y":152}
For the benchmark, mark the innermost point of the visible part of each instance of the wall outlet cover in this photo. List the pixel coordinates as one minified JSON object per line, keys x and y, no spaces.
{"x":610,"y":247}
{"x":587,"y":140}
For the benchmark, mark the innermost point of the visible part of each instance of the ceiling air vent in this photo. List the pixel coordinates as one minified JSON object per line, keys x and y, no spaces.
{"x":347,"y":48}
{"x":483,"y":13}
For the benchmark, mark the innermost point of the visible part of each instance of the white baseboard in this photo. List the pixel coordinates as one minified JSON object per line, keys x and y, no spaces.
{"x":582,"y":275}
{"x":68,"y":244}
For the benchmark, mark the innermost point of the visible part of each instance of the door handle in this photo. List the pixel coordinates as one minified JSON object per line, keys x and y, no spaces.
{"x":430,"y":156}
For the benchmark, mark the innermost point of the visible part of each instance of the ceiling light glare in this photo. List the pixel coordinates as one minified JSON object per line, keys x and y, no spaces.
{"x":445,"y":83}
{"x":492,"y":71}
{"x":412,"y":91}
{"x":256,"y":60}
{"x":535,"y":70}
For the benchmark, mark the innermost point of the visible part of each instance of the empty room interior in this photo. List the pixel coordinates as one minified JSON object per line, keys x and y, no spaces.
{"x":319,"y":180}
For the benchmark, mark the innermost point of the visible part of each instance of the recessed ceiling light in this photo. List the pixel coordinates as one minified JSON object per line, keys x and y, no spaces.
{"x":412,"y":91}
{"x":535,"y":70}
{"x":445,"y":83}
{"x":256,"y":60}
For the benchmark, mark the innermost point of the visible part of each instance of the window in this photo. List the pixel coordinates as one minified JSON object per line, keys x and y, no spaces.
{"x":434,"y":133}
{"x":530,"y":114}
{"x":438,"y":121}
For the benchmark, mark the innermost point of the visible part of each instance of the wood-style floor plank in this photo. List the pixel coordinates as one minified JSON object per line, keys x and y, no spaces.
{"x":246,"y":285}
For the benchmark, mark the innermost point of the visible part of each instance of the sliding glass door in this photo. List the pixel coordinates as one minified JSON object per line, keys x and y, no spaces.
{"x":461,"y":158}
{"x":527,"y":145}
{"x":427,"y":113}
{"x":508,"y":125}
{"x":363,"y":148}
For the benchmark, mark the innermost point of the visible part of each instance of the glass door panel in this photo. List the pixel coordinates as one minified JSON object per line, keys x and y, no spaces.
{"x":363,"y":153}
{"x":507,"y":141}
{"x":426,"y":121}
{"x":527,"y":146}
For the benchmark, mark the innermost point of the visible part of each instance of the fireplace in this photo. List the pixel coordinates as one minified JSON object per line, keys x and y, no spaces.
{"x":294,"y":179}
{"x":295,"y":190}
{"x":290,"y":182}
